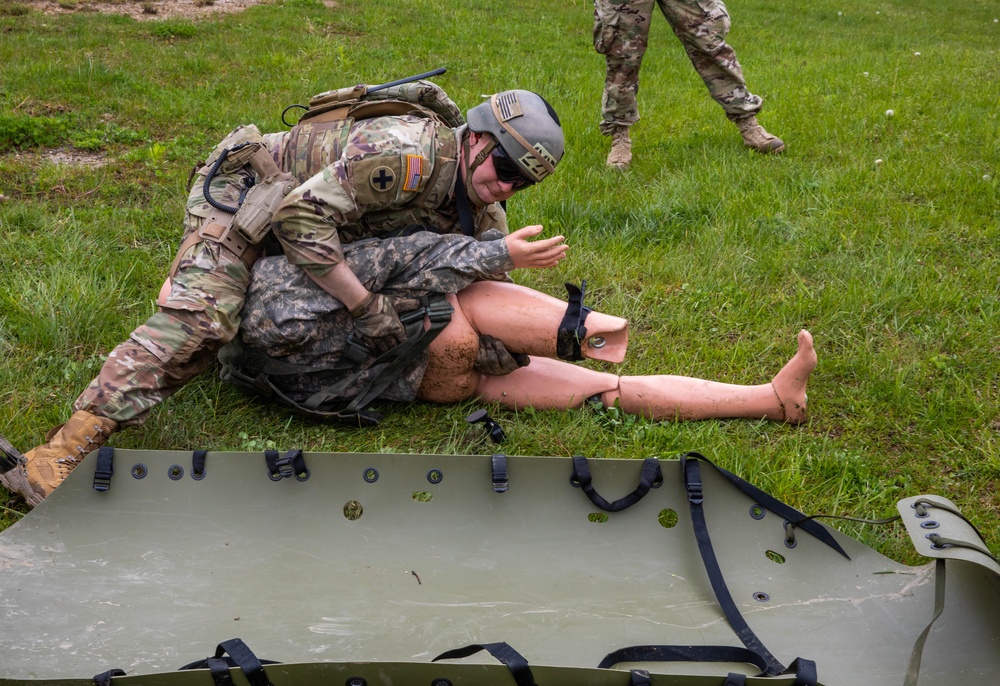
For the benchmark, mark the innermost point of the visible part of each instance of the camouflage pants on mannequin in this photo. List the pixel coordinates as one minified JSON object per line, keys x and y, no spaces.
{"x":621,"y":34}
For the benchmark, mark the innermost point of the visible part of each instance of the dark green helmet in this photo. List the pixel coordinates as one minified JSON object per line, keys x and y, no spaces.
{"x":525,"y":126}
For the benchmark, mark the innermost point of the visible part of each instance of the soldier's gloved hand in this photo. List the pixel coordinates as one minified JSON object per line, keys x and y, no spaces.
{"x":494,"y":359}
{"x":377,"y":322}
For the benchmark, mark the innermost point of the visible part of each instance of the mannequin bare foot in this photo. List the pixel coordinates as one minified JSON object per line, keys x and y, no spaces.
{"x":790,"y":383}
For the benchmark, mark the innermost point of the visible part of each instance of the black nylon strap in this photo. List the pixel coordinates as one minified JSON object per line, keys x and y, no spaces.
{"x":650,"y":476}
{"x":692,"y":482}
{"x":220,"y":671}
{"x":462,"y":205}
{"x":291,"y":464}
{"x":104,"y":678}
{"x":734,"y":679}
{"x":513,"y":660}
{"x":245,"y":660}
{"x":773,"y":504}
{"x":198,"y":463}
{"x":639,"y":677}
{"x":804,"y":671}
{"x":105,"y":469}
{"x":572,"y":332}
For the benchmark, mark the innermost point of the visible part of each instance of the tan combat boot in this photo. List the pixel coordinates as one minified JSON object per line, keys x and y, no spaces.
{"x":65,"y":447}
{"x":756,"y":138}
{"x":620,"y":156}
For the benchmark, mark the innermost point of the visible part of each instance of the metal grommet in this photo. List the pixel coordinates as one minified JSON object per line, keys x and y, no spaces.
{"x":921,"y":509}
{"x":274,"y":476}
{"x":757,"y":511}
{"x":929,"y":524}
{"x":435,"y":476}
{"x":175,"y":472}
{"x":303,"y":476}
{"x":355,"y":681}
{"x":597,"y":341}
{"x":761,"y":597}
{"x":198,"y":475}
{"x":370,"y":475}
{"x":791,"y":544}
{"x":441,"y":682}
{"x":139,"y":470}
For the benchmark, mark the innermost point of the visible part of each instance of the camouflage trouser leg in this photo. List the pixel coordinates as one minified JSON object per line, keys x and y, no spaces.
{"x":702,"y":26}
{"x":176,"y":343}
{"x":621,"y":34}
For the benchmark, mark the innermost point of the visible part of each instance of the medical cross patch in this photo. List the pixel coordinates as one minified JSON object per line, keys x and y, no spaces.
{"x":382,"y":179}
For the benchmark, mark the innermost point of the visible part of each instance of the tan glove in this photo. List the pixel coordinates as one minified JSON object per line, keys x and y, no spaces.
{"x":494,"y":359}
{"x":376,"y":321}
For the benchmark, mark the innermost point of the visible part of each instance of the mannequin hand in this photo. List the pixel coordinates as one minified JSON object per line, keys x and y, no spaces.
{"x":377,"y":322}
{"x":494,"y":359}
{"x":536,"y":254}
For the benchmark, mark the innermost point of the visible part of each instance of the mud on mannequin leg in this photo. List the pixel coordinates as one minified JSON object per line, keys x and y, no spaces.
{"x":528,"y":321}
{"x":546,"y":384}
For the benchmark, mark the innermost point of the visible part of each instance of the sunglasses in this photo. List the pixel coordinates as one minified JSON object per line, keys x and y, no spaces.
{"x":507,"y":171}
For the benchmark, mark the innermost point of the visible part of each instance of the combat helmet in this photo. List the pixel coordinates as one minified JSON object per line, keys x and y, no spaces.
{"x":526,"y":128}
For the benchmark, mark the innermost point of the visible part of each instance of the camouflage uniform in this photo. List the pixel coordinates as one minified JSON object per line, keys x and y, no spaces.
{"x":358,"y":179}
{"x":621,"y":32}
{"x":290,"y":318}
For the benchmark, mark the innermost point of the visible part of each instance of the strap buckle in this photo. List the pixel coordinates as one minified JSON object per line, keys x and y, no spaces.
{"x":105,"y":469}
{"x":500,"y":478}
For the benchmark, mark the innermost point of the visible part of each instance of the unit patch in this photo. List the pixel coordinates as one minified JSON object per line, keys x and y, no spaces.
{"x":382,"y":179}
{"x":414,"y":171}
{"x":534,"y":165}
{"x":509,"y":106}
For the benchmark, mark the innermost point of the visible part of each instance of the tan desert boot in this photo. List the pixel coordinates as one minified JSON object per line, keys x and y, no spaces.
{"x":756,"y":138}
{"x":620,"y":156}
{"x":65,"y":447}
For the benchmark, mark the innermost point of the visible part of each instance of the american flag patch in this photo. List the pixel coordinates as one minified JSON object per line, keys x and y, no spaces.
{"x":414,"y":169}
{"x":509,"y":106}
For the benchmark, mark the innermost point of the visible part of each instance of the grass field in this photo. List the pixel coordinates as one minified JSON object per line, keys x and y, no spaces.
{"x":879,"y":234}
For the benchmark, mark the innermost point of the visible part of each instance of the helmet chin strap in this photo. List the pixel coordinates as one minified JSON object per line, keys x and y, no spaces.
{"x":472,"y":165}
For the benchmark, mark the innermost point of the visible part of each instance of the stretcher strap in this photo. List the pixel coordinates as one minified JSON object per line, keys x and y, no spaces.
{"x":291,"y":464}
{"x":105,"y":469}
{"x":692,"y":482}
{"x":513,"y":660}
{"x":651,"y":477}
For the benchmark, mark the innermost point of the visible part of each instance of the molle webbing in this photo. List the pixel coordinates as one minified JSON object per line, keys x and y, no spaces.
{"x":313,"y":146}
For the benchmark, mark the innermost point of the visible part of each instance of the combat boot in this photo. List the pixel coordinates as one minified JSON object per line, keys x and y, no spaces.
{"x":65,"y":446}
{"x":756,"y":138}
{"x":620,"y":156}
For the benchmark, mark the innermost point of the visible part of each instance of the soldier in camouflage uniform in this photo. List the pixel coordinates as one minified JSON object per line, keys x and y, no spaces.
{"x":621,"y":32}
{"x":370,"y":177}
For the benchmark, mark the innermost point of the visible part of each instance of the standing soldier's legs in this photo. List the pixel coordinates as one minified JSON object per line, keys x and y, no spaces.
{"x":702,"y":27}
{"x":621,"y":34}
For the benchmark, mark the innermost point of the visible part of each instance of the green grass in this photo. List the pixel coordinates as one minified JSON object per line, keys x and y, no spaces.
{"x":716,"y":255}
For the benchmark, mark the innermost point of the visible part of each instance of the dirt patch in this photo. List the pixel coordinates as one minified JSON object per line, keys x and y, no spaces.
{"x":146,"y":10}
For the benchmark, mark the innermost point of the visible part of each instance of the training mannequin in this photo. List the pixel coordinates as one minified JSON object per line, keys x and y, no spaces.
{"x":526,"y":321}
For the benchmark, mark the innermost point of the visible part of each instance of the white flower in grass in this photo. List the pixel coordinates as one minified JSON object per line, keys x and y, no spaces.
{"x":917,"y":54}
{"x":986,"y":177}
{"x":890,"y":113}
{"x":878,"y":161}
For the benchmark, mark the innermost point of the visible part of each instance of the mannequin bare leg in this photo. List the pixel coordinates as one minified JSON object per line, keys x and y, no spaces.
{"x":553,"y":384}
